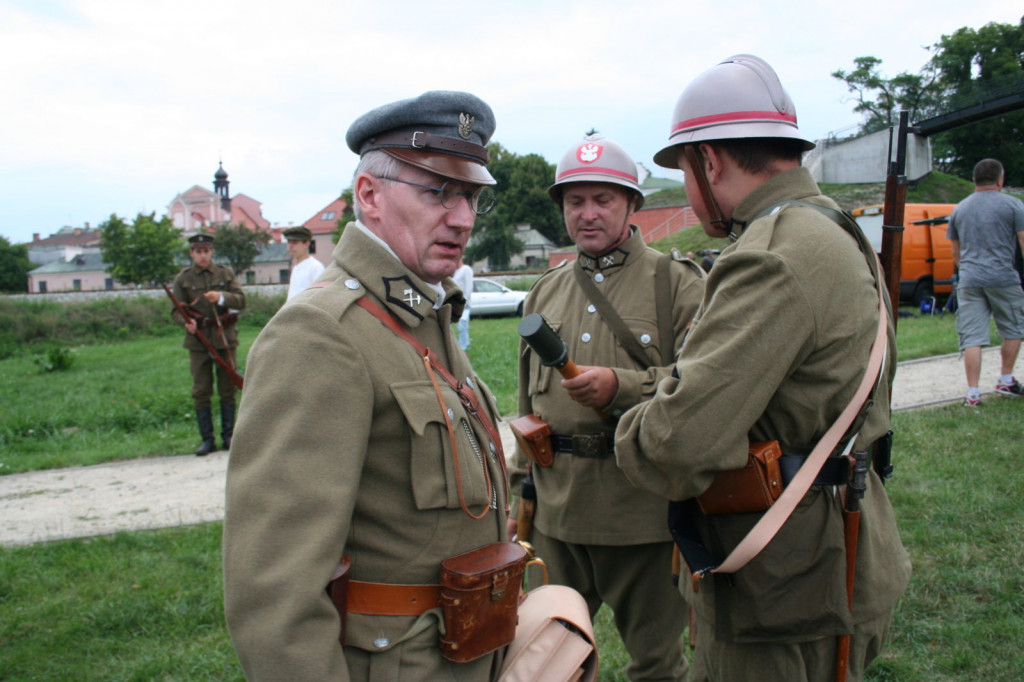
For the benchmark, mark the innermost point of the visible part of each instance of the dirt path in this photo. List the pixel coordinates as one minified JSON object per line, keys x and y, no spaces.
{"x":174,"y":491}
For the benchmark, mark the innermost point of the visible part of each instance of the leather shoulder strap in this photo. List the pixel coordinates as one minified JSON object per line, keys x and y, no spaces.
{"x":663,"y":295}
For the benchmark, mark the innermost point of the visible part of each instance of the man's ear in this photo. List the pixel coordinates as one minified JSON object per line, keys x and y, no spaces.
{"x":365,"y":191}
{"x":714,"y":162}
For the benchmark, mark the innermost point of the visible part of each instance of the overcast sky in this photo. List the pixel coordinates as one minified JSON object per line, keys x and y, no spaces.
{"x":115,"y":106}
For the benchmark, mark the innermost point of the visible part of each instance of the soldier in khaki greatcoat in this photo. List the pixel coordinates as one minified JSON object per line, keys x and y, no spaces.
{"x":776,"y":352}
{"x":211,"y":291}
{"x":596,"y":531}
{"x":346,"y":445}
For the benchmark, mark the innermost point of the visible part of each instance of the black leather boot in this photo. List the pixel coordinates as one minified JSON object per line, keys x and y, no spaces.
{"x":205,"y":418}
{"x":227,"y":423}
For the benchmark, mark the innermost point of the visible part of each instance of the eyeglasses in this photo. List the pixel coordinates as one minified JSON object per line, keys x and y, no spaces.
{"x":481,"y":200}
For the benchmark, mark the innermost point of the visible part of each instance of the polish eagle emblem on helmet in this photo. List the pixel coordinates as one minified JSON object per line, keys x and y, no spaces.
{"x":466,"y":125}
{"x":589,"y":152}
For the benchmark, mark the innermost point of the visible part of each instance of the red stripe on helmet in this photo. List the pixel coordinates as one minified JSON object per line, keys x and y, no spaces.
{"x":734,"y":117}
{"x":596,"y":170}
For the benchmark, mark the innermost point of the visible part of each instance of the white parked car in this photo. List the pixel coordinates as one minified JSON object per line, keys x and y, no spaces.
{"x":491,"y":298}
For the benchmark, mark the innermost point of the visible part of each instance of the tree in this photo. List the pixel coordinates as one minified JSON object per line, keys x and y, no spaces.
{"x":522,"y":192}
{"x":880,"y":99}
{"x":238,"y":245}
{"x":974,"y":66}
{"x":966,"y":68}
{"x":141,"y":253}
{"x":14,"y":267}
{"x":347,"y":216}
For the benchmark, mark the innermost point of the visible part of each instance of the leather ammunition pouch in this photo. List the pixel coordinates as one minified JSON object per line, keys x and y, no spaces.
{"x":479,"y":599}
{"x":751,"y":489}
{"x":534,"y":438}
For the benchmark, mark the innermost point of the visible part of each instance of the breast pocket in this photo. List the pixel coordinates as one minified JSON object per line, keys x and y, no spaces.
{"x":540,"y":375}
{"x":443,"y":471}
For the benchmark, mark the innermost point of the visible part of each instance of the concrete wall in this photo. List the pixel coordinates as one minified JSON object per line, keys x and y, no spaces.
{"x":865,"y":159}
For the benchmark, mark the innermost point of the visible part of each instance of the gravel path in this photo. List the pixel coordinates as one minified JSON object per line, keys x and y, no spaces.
{"x":174,"y":491}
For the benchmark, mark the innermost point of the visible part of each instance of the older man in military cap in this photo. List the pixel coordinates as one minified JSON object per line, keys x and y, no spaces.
{"x":213,"y":294}
{"x":349,"y":442}
{"x":305,"y":268}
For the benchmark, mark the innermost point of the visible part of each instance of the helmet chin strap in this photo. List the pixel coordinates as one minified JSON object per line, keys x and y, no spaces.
{"x":695,"y":159}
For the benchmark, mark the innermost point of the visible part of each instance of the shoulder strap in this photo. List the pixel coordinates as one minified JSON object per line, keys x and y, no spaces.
{"x":611,"y":317}
{"x":663,"y":295}
{"x":769,"y":524}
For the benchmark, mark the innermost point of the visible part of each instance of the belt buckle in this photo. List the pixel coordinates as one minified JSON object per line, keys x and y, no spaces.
{"x":594,"y":446}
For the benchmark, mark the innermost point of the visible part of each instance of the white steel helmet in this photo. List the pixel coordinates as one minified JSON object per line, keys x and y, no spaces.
{"x":597,"y":159}
{"x":738,"y":98}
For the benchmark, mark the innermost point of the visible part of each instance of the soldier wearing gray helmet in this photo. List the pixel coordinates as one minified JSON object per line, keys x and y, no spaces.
{"x":776,"y":352}
{"x":346,"y":445}
{"x":623,"y":309}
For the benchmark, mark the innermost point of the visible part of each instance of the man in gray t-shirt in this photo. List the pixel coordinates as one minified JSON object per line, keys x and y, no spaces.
{"x":985,"y":229}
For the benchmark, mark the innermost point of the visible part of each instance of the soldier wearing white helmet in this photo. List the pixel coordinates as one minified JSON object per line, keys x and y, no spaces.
{"x":776,"y":352}
{"x":622,"y":309}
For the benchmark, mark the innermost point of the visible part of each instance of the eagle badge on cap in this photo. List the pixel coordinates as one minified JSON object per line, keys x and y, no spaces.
{"x":466,"y":125}
{"x":589,"y":152}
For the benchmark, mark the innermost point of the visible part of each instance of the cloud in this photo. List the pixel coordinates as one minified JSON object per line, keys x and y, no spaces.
{"x":118,"y":105}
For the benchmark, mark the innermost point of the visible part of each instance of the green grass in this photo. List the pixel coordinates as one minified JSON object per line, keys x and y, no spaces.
{"x":147,"y":605}
{"x":116,"y":401}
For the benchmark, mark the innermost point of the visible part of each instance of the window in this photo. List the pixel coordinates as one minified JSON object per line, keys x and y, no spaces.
{"x":250,"y":277}
{"x":108,"y":283}
{"x":76,"y":284}
{"x":328,"y":215}
{"x":42,"y":287}
{"x":284,"y":275}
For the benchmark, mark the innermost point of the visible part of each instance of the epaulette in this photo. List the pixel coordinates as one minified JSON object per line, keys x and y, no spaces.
{"x":334,"y":296}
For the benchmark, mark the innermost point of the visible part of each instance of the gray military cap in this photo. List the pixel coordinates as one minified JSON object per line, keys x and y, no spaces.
{"x":442,"y":131}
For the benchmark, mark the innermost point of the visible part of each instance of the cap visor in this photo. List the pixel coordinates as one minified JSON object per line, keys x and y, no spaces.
{"x":445,"y":165}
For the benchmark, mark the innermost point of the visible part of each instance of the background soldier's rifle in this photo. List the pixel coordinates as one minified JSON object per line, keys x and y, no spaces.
{"x":233,"y":374}
{"x":892,"y":215}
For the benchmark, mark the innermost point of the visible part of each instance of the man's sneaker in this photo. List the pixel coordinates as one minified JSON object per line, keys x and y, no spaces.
{"x":1010,"y":389}
{"x":972,"y":402}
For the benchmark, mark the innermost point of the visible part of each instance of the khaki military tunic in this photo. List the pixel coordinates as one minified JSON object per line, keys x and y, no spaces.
{"x":189,"y":287}
{"x":776,"y":351}
{"x":342,"y":448}
{"x":576,"y":494}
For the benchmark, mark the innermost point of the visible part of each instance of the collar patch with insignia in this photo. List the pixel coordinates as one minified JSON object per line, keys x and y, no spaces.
{"x":403,"y":293}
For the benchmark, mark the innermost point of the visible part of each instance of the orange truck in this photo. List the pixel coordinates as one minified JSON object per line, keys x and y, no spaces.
{"x":926,"y":268}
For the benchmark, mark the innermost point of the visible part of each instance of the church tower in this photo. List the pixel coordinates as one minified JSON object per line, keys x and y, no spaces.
{"x":220,"y":186}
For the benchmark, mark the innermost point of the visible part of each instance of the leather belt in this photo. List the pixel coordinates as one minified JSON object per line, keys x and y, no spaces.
{"x":835,"y":471}
{"x":382,"y":599}
{"x":592,"y":445}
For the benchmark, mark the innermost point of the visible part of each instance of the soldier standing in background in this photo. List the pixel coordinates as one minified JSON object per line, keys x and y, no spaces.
{"x":212,"y":291}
